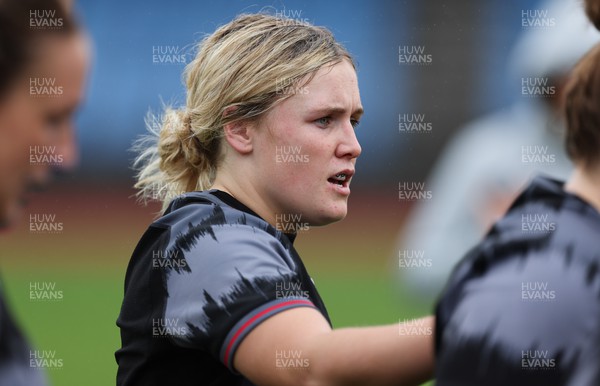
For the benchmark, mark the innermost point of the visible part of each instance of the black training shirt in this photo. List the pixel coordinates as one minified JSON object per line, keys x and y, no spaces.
{"x":523,"y":307}
{"x":200,"y":279}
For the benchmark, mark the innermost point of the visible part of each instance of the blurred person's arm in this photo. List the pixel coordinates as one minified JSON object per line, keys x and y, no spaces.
{"x":378,"y":355}
{"x":461,"y":209}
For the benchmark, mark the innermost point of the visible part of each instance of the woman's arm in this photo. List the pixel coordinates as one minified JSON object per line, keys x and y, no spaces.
{"x":298,"y":347}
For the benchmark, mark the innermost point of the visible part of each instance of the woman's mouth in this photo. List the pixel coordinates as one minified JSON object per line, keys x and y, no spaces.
{"x":341,"y":181}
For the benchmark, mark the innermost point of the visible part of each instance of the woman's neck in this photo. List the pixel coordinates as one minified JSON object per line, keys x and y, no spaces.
{"x":585,"y":183}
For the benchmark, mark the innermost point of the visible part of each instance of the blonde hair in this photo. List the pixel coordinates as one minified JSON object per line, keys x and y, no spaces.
{"x":240,"y":71}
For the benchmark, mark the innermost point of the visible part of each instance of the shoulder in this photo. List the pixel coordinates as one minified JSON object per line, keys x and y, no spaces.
{"x":535,"y":274}
{"x":196,"y":215}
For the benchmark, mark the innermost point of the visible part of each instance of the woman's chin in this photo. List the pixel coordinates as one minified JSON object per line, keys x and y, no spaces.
{"x":330,"y":216}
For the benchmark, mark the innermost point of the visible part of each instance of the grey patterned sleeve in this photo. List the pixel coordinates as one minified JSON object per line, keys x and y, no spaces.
{"x":232,"y":275}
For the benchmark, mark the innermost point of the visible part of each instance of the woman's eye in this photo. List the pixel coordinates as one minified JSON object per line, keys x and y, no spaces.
{"x":354,"y":123}
{"x":54,"y":121}
{"x":325,"y":121}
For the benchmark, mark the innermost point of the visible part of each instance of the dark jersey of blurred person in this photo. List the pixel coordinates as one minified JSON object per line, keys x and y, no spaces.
{"x":215,"y":293}
{"x":38,"y":40}
{"x":523,"y":307}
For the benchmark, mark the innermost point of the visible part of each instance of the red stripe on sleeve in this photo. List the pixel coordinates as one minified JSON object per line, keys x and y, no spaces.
{"x":252,"y":319}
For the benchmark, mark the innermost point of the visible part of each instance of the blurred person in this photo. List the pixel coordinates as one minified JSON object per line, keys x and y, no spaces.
{"x":43,"y":62}
{"x":482,"y":169}
{"x":215,"y":293}
{"x":34,"y":62}
{"x":523,"y":306}
{"x":592,"y":9}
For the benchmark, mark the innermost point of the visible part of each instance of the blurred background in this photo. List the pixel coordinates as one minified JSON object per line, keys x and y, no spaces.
{"x":460,"y":97}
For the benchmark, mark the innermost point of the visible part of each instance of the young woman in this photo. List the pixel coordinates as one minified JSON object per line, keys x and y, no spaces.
{"x":42,"y":72}
{"x":215,"y":293}
{"x":523,"y":307}
{"x":33,"y":117}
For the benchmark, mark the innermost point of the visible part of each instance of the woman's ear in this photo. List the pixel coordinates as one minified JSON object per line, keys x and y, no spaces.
{"x":238,"y":134}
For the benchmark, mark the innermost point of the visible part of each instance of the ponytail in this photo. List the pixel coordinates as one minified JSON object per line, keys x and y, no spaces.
{"x":174,"y":158}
